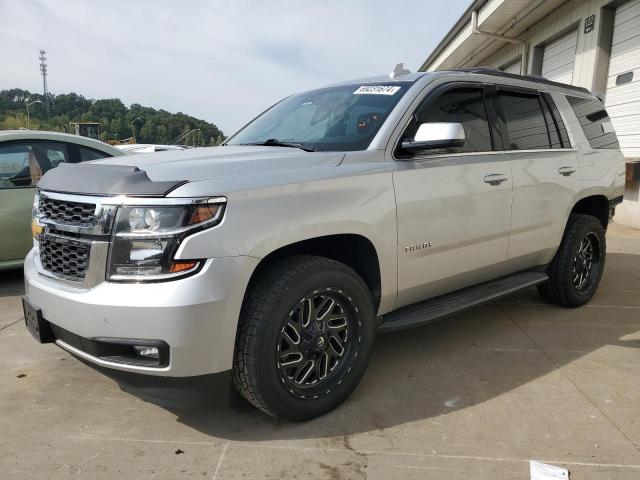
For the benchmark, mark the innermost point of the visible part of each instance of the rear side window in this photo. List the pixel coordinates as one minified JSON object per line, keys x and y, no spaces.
{"x":595,"y":122}
{"x":526,"y":124}
{"x":87,"y":154}
{"x":459,"y":105}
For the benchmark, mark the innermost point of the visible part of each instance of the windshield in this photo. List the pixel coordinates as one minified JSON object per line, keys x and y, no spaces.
{"x":346,"y":117}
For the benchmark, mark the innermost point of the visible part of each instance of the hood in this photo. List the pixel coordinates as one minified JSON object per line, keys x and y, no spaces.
{"x":157,"y":174}
{"x":216,"y":162}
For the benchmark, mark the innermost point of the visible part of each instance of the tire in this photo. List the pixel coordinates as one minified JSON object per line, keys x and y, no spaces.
{"x":571,"y":283}
{"x":271,"y":370}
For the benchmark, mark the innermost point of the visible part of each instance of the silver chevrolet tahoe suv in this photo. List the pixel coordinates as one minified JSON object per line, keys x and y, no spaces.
{"x":368,"y":206}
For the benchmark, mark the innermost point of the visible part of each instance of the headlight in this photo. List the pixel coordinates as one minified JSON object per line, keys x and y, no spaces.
{"x":147,"y":239}
{"x":36,"y":228}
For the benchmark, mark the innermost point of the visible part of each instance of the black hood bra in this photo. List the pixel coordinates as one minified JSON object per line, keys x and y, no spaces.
{"x":95,"y":179}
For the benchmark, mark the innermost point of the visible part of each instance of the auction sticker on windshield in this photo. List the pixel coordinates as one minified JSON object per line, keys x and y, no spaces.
{"x":376,"y":90}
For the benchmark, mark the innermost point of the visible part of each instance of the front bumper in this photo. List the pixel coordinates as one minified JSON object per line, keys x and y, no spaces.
{"x":196,"y":316}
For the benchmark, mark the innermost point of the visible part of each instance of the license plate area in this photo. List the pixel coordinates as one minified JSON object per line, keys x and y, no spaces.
{"x":37,"y":326}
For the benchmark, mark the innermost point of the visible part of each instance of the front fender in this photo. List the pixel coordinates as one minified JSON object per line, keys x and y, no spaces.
{"x":261,"y":220}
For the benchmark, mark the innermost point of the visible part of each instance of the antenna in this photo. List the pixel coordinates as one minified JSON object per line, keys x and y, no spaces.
{"x":398,"y":71}
{"x":43,"y":71}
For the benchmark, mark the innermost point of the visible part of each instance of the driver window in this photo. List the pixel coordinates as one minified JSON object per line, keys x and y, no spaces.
{"x":23,"y":164}
{"x":14,"y":165}
{"x":460,"y":105}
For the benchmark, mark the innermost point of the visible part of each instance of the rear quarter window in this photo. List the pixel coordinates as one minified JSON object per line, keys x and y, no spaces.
{"x":595,"y":123}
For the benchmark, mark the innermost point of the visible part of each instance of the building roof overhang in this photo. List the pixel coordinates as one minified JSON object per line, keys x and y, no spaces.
{"x":511,"y":18}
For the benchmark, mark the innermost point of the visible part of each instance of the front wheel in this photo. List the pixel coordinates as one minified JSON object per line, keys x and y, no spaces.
{"x":576,"y":269}
{"x":305,"y":337}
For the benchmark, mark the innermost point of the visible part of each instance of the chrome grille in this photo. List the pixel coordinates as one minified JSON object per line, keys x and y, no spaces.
{"x":74,"y":241}
{"x":66,"y":211}
{"x":65,"y":258}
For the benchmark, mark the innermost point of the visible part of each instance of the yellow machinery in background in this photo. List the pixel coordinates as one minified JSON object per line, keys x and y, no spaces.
{"x":92,"y":130}
{"x":87,"y":129}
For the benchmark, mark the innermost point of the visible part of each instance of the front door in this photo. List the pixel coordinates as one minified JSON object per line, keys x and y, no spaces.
{"x":453,"y":205}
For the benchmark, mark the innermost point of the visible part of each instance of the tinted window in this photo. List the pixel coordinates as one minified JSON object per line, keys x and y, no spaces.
{"x":526,"y":124}
{"x":562,"y":129}
{"x":460,"y":105}
{"x":595,"y":122}
{"x":87,"y":154}
{"x":552,"y":130}
{"x":22,"y":164}
{"x":345,"y":117}
{"x":13,"y":159}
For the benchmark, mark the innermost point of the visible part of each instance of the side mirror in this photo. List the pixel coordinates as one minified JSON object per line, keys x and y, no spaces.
{"x":435,"y":135}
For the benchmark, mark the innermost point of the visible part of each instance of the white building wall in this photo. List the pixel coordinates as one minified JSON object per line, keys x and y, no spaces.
{"x":569,"y":16}
{"x":623,"y":101}
{"x":559,"y":58}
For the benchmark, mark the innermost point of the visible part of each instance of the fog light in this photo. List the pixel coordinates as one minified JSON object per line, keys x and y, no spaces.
{"x":147,"y":352}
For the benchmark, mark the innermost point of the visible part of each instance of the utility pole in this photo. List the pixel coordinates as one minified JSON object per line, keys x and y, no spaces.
{"x":43,"y":71}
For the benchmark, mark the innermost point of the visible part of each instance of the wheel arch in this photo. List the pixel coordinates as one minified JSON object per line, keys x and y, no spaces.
{"x":595,"y":205}
{"x":354,"y":250}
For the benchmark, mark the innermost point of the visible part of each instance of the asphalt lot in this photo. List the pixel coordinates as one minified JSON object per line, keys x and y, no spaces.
{"x":473,"y":397}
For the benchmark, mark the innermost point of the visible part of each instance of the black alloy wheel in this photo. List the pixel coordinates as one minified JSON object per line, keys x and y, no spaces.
{"x":317,"y":342}
{"x":577,"y":267}
{"x":585,"y":262}
{"x":305,"y":336}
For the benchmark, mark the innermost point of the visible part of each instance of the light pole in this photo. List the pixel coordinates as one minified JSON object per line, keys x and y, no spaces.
{"x":132,"y":129}
{"x":43,"y":71}
{"x":29,"y":116}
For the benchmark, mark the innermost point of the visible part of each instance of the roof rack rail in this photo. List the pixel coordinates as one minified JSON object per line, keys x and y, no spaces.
{"x":532,"y":78}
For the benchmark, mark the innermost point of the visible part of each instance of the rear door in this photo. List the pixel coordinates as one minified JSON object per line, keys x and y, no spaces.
{"x":453,"y":205}
{"x":545,"y":173}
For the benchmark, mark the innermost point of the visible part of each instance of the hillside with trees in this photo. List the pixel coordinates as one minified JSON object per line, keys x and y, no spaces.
{"x":151,"y":125}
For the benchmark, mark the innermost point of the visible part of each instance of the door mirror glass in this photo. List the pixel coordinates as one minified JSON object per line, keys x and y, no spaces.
{"x":433,"y":135}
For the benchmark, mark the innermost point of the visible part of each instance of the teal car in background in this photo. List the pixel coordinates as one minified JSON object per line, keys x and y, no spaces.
{"x":26,"y":155}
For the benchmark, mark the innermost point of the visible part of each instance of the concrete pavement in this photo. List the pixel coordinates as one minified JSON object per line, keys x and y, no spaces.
{"x":473,"y":397}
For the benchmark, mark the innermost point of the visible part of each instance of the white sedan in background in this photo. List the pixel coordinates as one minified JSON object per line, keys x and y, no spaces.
{"x":133,"y":148}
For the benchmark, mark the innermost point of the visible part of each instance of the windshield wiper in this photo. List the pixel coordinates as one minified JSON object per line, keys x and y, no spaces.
{"x":274,"y":142}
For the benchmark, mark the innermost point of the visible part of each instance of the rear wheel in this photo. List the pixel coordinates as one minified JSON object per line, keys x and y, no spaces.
{"x":305,"y":336}
{"x":576,"y":269}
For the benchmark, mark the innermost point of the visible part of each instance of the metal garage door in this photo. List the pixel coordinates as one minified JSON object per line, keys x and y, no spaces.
{"x":623,"y":84}
{"x":512,"y":67}
{"x":559,"y":58}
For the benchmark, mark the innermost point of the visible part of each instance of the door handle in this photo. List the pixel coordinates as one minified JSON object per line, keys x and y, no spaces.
{"x":496,"y":178}
{"x":566,"y":171}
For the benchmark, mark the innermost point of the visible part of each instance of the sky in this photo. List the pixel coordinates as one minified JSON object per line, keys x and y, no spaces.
{"x":220,"y":60}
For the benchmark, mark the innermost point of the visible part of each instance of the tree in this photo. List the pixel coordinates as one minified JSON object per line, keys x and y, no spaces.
{"x":154,"y":126}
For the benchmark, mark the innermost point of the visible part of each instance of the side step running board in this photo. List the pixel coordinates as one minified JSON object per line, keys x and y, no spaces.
{"x":451,"y":303}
